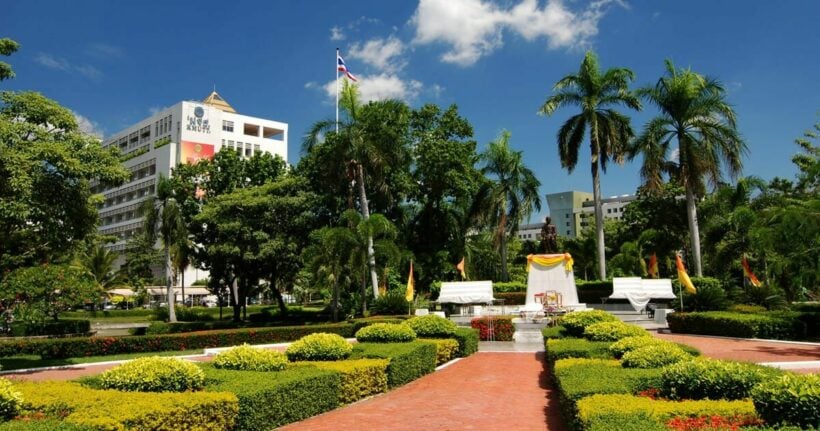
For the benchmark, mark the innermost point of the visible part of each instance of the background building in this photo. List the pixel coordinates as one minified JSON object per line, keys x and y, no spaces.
{"x":184,"y":133}
{"x":573,"y":211}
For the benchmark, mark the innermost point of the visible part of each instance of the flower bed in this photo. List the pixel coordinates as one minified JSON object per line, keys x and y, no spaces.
{"x":497,"y":328}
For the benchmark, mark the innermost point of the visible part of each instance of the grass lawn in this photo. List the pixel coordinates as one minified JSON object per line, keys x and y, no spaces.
{"x":20,"y":362}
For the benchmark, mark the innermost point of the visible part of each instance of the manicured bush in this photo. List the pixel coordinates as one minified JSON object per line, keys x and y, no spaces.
{"x":101,"y":346}
{"x":319,"y":347}
{"x":390,"y":304}
{"x":446,"y":349}
{"x":655,"y":356}
{"x":360,"y":378}
{"x":247,"y":358}
{"x":553,"y":332}
{"x":467,"y":341}
{"x":497,"y":328}
{"x":613,"y":331}
{"x":9,"y":400}
{"x":114,"y":410}
{"x":777,"y":325}
{"x":512,"y":298}
{"x":432,"y":326}
{"x":408,"y":361}
{"x":747,"y":308}
{"x":270,"y":400}
{"x":591,"y":292}
{"x":577,"y":321}
{"x":611,"y":412}
{"x":508,"y":286}
{"x":577,"y":378}
{"x":367,"y":321}
{"x":631,"y":343}
{"x":809,"y":307}
{"x":709,"y":378}
{"x":102,"y":314}
{"x":26,"y":424}
{"x":792,"y":399}
{"x":154,"y":374}
{"x":185,"y":314}
{"x":50,"y":327}
{"x":385,"y":333}
{"x":575,"y":348}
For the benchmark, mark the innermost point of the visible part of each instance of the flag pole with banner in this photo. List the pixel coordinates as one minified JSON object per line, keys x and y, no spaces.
{"x":411,"y":285}
{"x":684,"y":280}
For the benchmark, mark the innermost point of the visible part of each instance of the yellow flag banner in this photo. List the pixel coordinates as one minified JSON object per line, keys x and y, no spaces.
{"x":683,"y":277}
{"x":410,"y":285}
{"x":747,"y":271}
{"x":460,"y":268}
{"x":550,"y":260}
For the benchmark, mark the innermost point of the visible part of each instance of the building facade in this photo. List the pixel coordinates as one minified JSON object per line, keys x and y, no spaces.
{"x":187,"y":132}
{"x":573,"y":211}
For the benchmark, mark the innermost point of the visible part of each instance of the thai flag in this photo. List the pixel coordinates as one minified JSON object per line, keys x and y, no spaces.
{"x":340,"y":66}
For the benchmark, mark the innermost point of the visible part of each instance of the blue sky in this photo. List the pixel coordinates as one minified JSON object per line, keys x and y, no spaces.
{"x":115,"y":62}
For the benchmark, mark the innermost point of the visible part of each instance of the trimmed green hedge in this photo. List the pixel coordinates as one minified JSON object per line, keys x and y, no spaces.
{"x":114,"y":410}
{"x":709,"y":378}
{"x":512,"y":298}
{"x":100,"y":346}
{"x":576,"y":348}
{"x":385,"y":333}
{"x":576,"y":322}
{"x":269,"y":400}
{"x":360,"y":378}
{"x":613,"y":331}
{"x":615,"y":412}
{"x":408,"y":361}
{"x":792,"y":399}
{"x":577,"y":378}
{"x":553,"y":332}
{"x":42,"y":425}
{"x":49,"y":327}
{"x":510,"y":286}
{"x":776,"y":325}
{"x":467,"y":341}
{"x":101,"y":314}
{"x":154,"y":374}
{"x":446,"y":349}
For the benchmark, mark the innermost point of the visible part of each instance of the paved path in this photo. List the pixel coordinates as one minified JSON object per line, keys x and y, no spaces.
{"x":486,"y":391}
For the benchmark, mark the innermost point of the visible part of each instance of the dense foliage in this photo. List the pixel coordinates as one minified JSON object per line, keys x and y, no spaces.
{"x":154,"y":374}
{"x":247,"y":358}
{"x":319,"y":347}
{"x":385,"y":333}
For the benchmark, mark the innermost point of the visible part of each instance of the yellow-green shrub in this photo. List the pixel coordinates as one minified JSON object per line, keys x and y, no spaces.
{"x":361,"y":378}
{"x":446,"y":349}
{"x":613,"y":331}
{"x":116,"y":410}
{"x":629,"y":344}
{"x":386,"y":333}
{"x":655,"y":356}
{"x":248,"y":358}
{"x":154,"y":374}
{"x":597,"y":410}
{"x":713,"y":379}
{"x":577,"y":321}
{"x":432,"y":326}
{"x":793,"y":399}
{"x":9,"y":400}
{"x":319,"y":347}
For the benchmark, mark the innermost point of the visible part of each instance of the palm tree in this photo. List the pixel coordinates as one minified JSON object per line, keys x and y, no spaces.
{"x":163,"y":216}
{"x":99,"y":262}
{"x":366,"y":147}
{"x":596,"y":94}
{"x":509,"y":196}
{"x":695,"y":115}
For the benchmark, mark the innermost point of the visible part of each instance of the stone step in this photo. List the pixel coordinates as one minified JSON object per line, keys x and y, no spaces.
{"x":528,"y":337}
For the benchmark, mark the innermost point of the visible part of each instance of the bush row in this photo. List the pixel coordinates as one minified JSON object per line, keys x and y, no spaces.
{"x":51,"y":328}
{"x":360,"y":378}
{"x":100,"y":346}
{"x":408,"y":361}
{"x":115,"y":410}
{"x":777,"y":325}
{"x":158,"y":328}
{"x":498,"y":328}
{"x":512,"y":298}
{"x":510,"y":286}
{"x":446,"y":349}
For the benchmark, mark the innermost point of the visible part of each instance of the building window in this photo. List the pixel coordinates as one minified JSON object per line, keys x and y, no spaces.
{"x":227,"y":126}
{"x":248,"y":149}
{"x":609,"y":210}
{"x":567,"y":224}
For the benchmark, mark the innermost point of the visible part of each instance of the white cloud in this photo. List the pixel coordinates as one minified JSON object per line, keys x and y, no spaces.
{"x":473,"y":28}
{"x":104,"y":50}
{"x":59,"y":63}
{"x":380,"y":87}
{"x":336,"y":33}
{"x":383,"y":54}
{"x":88,"y":126}
{"x":154,"y":110}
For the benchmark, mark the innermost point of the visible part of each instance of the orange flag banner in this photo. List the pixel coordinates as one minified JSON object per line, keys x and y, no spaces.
{"x":747,"y":271}
{"x":653,"y":266}
{"x":460,"y":268}
{"x":683,"y":277}
{"x":411,"y":285}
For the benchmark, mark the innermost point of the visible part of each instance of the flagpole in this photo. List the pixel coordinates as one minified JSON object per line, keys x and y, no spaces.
{"x":337,"y":90}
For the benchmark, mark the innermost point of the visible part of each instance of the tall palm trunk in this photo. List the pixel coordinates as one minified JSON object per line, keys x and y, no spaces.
{"x":335,"y":306}
{"x":694,"y":231}
{"x":371,"y":255}
{"x":169,"y":286}
{"x":502,"y":241}
{"x":596,"y":198}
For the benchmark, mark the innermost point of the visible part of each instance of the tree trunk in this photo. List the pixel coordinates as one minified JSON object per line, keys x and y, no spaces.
{"x":599,"y":211}
{"x":504,"y":275}
{"x":283,"y":309}
{"x":237,"y":307}
{"x":371,"y":255}
{"x":364,"y":297}
{"x":182,"y":278}
{"x":169,"y":286}
{"x":335,"y":304}
{"x":694,"y":231}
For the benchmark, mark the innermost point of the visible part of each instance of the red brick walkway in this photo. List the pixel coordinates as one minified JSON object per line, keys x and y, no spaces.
{"x":486,"y":391}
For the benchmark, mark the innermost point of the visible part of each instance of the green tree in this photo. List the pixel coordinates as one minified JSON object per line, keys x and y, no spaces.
{"x":47,"y":208}
{"x":163,"y":219}
{"x":695,"y":115}
{"x":99,"y":262}
{"x":508,"y":197}
{"x":7,"y":47}
{"x":371,"y":145}
{"x":596,"y":93}
{"x":40,"y":292}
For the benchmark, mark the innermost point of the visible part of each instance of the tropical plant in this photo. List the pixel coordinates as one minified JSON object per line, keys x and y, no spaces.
{"x":596,"y":93}
{"x":694,"y":114}
{"x":99,"y":262}
{"x":371,"y":140}
{"x":509,"y":195}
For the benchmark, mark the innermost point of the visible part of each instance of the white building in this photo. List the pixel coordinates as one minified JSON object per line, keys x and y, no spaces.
{"x":573,"y":211}
{"x":613,"y":208}
{"x":184,"y":133}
